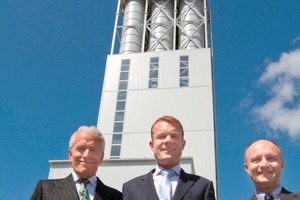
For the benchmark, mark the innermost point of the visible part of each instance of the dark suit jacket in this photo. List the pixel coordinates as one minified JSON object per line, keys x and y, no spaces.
{"x":65,"y":189}
{"x":189,"y":187}
{"x":285,"y":195}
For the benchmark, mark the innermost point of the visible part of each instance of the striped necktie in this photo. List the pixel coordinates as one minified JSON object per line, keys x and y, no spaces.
{"x":269,"y":196}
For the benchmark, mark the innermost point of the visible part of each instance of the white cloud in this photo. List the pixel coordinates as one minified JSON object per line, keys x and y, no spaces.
{"x":281,"y":112}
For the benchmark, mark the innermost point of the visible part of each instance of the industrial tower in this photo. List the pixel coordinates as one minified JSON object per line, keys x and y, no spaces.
{"x":163,"y":67}
{"x":160,"y":63}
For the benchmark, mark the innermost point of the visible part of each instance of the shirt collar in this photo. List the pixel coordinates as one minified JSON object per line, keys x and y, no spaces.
{"x":177,"y":170}
{"x":276,"y":193}
{"x":93,"y":179}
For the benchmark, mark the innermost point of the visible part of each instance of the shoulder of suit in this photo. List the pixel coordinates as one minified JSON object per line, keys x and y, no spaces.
{"x":49,"y":181}
{"x":52,"y":180}
{"x":140,"y":178}
{"x":194,"y":177}
{"x":285,"y":191}
{"x":107,"y":188}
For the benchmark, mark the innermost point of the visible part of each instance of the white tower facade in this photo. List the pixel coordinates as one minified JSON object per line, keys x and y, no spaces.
{"x":163,"y":67}
{"x":160,"y":64}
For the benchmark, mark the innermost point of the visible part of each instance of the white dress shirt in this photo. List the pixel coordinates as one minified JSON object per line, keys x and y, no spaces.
{"x":174,"y":179}
{"x":91,"y":187}
{"x":276,"y":193}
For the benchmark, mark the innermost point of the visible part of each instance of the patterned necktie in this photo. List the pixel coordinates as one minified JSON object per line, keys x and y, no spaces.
{"x":269,"y":196}
{"x":83,"y":192}
{"x":165,"y":189}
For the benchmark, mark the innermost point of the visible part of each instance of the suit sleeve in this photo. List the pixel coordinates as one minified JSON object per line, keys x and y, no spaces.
{"x":210,"y":192}
{"x":125,"y":193}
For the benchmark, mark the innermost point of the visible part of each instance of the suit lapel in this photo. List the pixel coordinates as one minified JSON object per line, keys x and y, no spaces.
{"x":147,"y":186}
{"x":286,"y":195}
{"x":253,"y":197}
{"x":98,"y":191}
{"x":66,"y":188}
{"x":184,"y":184}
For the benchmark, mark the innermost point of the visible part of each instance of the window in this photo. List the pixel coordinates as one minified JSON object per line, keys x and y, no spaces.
{"x":123,"y":85}
{"x":120,"y":105}
{"x":118,"y":127}
{"x":122,"y":95}
{"x":124,"y":76}
{"x":119,"y":116}
{"x":115,"y":151}
{"x":117,"y":139}
{"x":120,"y":110}
{"x":184,"y":71}
{"x":153,"y":72}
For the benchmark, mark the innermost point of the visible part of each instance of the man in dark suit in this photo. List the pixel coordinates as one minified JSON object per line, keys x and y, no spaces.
{"x":264,"y":164}
{"x":86,"y":152}
{"x":167,"y":143}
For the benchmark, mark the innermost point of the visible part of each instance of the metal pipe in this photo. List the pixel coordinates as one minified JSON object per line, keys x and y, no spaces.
{"x":175,"y":24}
{"x":145,"y":26}
{"x":205,"y":23}
{"x":115,"y":28}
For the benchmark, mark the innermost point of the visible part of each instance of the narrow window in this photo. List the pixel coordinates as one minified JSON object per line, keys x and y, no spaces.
{"x":184,"y":71}
{"x":153,"y":72}
{"x":115,"y":151}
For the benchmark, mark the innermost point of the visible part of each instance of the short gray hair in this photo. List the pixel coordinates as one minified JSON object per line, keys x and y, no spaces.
{"x":91,"y":130}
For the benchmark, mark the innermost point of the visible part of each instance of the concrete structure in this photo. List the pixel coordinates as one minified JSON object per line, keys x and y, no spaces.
{"x":162,"y":65}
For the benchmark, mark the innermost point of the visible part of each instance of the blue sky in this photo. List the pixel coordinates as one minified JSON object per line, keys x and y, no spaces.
{"x":52,"y":60}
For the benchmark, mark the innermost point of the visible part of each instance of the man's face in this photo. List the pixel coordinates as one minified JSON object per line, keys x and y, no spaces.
{"x":86,"y":155}
{"x":264,"y":165}
{"x":167,"y":144}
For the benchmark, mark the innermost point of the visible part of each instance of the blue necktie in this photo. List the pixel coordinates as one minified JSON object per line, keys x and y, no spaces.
{"x":165,"y":188}
{"x":83,"y":192}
